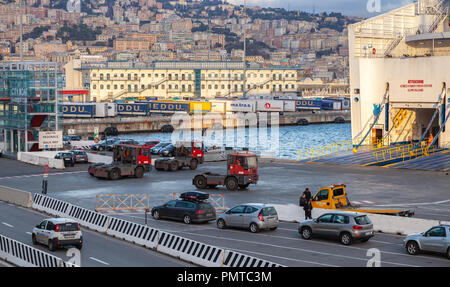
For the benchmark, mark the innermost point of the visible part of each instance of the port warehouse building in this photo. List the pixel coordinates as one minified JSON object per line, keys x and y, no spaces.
{"x":400,"y":69}
{"x":179,"y":79}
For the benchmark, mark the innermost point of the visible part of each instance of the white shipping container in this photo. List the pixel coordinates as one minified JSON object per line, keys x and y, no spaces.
{"x":111,"y":112}
{"x":101,"y":110}
{"x":218,"y":107}
{"x":269,"y":106}
{"x":289,"y":106}
{"x":241,"y":106}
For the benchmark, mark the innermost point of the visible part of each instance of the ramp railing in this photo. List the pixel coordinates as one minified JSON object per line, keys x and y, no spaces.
{"x":114,"y":202}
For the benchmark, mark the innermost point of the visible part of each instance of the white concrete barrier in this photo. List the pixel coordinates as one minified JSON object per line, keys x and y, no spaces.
{"x":190,"y":250}
{"x":41,"y":159}
{"x":236,"y":259}
{"x":84,"y":145}
{"x":133,"y":232}
{"x":381,"y":223}
{"x":15,"y":196}
{"x":23,"y":255}
{"x":96,"y":158}
{"x":91,"y":219}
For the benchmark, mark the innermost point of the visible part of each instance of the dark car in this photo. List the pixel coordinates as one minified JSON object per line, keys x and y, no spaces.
{"x":68,"y":138}
{"x":80,"y":156}
{"x":191,"y":207}
{"x":67,"y":157}
{"x":110,"y":147}
{"x":168,"y":150}
{"x":157,"y":148}
{"x":100,"y":146}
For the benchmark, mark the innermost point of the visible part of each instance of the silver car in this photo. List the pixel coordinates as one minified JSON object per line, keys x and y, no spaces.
{"x":436,"y":239}
{"x":344,"y":226}
{"x":255,"y":217}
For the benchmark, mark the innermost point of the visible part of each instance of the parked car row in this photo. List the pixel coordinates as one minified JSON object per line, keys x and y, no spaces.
{"x":70,"y":158}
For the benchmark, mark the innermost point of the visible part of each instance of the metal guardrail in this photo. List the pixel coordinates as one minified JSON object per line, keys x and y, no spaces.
{"x":407,"y":151}
{"x":114,"y":202}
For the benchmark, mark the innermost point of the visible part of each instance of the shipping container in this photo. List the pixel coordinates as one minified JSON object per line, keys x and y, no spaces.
{"x":111,"y":110}
{"x":138,"y":109}
{"x":331,"y":105}
{"x":101,"y":110}
{"x":202,"y":107}
{"x":241,"y":106}
{"x":78,"y":110}
{"x":307,"y":104}
{"x":269,"y":106}
{"x":289,"y":105}
{"x":218,"y":107}
{"x":169,"y":107}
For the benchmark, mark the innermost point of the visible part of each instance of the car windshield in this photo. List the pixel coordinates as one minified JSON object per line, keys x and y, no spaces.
{"x":70,"y":226}
{"x":362,"y":220}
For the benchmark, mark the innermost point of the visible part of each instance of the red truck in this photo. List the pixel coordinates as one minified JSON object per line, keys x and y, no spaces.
{"x":128,"y":160}
{"x":242,"y":170}
{"x":187,"y":154}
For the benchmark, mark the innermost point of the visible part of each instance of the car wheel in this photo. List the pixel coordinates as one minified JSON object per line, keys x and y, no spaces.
{"x":156,"y":215}
{"x":193,"y":164}
{"x":139,"y":172}
{"x":306,"y":233}
{"x":33,"y":239}
{"x":254,"y":228}
{"x":173,"y":166}
{"x":200,"y":182}
{"x":345,"y":238}
{"x":231,"y":183}
{"x":51,"y":245}
{"x":412,"y":248}
{"x":221,"y":224}
{"x":187,"y":219}
{"x":114,"y":174}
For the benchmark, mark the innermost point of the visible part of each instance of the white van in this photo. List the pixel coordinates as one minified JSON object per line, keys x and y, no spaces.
{"x":58,"y":232}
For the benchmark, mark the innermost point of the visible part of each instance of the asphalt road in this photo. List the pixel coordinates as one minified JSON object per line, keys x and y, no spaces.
{"x":98,"y":250}
{"x":426,"y":192}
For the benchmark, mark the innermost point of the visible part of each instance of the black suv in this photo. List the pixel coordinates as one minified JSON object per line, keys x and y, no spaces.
{"x":191,"y":207}
{"x":68,"y":157}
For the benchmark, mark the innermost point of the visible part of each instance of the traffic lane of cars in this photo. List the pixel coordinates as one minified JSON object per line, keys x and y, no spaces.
{"x":285,"y":245}
{"x":98,"y":250}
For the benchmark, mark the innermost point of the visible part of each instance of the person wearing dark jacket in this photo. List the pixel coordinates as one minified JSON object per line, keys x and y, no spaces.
{"x":307,"y":204}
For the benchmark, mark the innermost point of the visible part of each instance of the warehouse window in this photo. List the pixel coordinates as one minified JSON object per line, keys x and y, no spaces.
{"x":121,"y":75}
{"x":108,"y":87}
{"x":176,"y":76}
{"x":183,"y":88}
{"x":115,"y":75}
{"x":101,"y":76}
{"x":149,"y":75}
{"x":149,"y":86}
{"x":189,"y":77}
{"x":115,"y":87}
{"x":170,"y":87}
{"x":93,"y":75}
{"x":216,"y":87}
{"x":209,"y":87}
{"x":203,"y":87}
{"x":183,"y":77}
{"x":176,"y":87}
{"x":107,"y":76}
{"x":142,"y":87}
{"x":129,"y":76}
{"x":122,"y":87}
{"x":135,"y":76}
{"x":101,"y":87}
{"x":156,"y":75}
{"x":163,"y":87}
{"x":223,"y":87}
{"x":189,"y":88}
{"x":94,"y":87}
{"x":135,"y":88}
{"x":143,"y":75}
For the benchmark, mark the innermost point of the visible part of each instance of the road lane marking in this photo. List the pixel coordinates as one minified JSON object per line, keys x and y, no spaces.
{"x":9,"y":225}
{"x":298,"y":249}
{"x":415,"y":204}
{"x":29,"y":233}
{"x":98,"y":260}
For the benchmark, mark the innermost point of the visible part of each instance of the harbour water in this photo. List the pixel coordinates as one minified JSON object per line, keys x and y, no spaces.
{"x":290,"y":138}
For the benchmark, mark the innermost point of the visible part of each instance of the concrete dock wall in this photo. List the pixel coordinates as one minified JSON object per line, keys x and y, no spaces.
{"x":85,"y":127}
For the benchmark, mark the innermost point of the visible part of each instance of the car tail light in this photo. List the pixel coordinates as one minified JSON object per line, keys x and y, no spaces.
{"x":260,"y":217}
{"x":57,"y":228}
{"x":200,"y":212}
{"x":78,"y":226}
{"x":357,"y":227}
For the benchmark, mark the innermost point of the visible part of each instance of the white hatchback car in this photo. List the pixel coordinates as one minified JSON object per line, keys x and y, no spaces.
{"x":57,"y":232}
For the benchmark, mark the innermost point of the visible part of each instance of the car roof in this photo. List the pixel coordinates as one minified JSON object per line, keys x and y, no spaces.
{"x":60,"y":220}
{"x":258,"y":205}
{"x":352,"y":214}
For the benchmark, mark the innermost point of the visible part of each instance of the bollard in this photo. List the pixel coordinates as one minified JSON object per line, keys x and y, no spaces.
{"x":44,"y":184}
{"x":146,"y":211}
